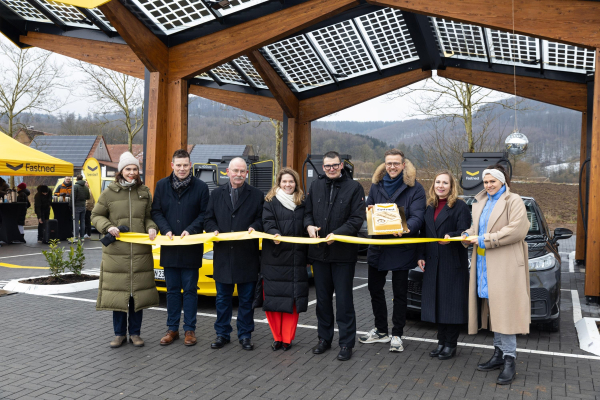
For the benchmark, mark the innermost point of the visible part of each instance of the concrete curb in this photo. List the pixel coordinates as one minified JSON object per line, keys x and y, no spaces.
{"x":16,"y":286}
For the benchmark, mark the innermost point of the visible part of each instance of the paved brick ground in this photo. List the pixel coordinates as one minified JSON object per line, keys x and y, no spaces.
{"x":57,"y":348}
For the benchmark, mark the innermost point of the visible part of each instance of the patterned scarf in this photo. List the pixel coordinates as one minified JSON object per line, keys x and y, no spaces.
{"x":180,"y":184}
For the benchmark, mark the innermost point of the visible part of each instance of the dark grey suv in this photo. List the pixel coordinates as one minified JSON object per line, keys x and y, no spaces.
{"x":544,"y":269}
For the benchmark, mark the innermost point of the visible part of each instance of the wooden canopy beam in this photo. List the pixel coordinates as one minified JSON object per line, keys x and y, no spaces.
{"x":261,"y":105}
{"x":191,"y":58}
{"x":592,"y":252}
{"x":113,"y":56}
{"x":321,"y":106}
{"x":282,"y":93}
{"x":153,"y":53}
{"x":559,"y":93}
{"x":575,"y":22}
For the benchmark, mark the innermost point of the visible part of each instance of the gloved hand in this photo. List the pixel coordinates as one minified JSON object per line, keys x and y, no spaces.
{"x":108,"y":238}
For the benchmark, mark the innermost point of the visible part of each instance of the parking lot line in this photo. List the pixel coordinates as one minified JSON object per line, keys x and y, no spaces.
{"x":415,"y":339}
{"x":40,"y":254}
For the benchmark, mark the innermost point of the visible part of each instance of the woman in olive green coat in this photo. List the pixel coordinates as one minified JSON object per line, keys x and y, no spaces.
{"x":127,"y":270}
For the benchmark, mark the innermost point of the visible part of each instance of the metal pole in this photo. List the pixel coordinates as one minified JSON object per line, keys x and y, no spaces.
{"x":73,"y":204}
{"x":145,"y":131}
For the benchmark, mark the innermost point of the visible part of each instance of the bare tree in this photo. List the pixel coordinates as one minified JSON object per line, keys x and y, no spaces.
{"x":277,"y":125}
{"x":29,"y":81}
{"x":461,"y":117}
{"x":114,"y":94}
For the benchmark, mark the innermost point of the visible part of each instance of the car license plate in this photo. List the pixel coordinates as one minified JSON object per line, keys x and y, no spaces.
{"x":159,"y":274}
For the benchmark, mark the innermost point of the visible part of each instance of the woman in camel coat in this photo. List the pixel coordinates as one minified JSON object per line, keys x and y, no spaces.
{"x":499,"y":278}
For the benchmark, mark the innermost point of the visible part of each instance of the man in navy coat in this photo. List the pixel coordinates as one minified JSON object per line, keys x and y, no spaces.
{"x":235,"y":207}
{"x":394,"y":181}
{"x":178,"y":208}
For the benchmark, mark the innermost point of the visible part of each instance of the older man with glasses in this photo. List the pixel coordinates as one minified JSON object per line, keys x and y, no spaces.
{"x":335,"y":205}
{"x":235,"y":207}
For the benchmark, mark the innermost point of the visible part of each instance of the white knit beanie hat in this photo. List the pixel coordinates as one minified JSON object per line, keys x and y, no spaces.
{"x":127,"y":159}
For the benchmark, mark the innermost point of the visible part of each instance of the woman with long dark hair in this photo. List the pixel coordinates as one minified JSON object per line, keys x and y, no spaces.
{"x":499,"y":280}
{"x":283,"y":267}
{"x":445,"y":264}
{"x":127,"y":269}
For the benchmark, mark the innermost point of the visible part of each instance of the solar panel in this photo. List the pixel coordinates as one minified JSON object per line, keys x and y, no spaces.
{"x":66,"y":13}
{"x":459,"y":40}
{"x":203,"y":152}
{"x":387,"y":36}
{"x":74,"y":149}
{"x":506,"y":48}
{"x":238,"y":5}
{"x":204,"y":75}
{"x":25,"y":10}
{"x":174,"y":16}
{"x":228,"y":74}
{"x":102,"y":18}
{"x":298,"y":63}
{"x":341,"y":47}
{"x":564,"y":57}
{"x":245,"y":65}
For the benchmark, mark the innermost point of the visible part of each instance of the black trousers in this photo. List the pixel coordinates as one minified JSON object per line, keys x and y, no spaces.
{"x":448,"y":334}
{"x":400,"y":290}
{"x":88,"y":222}
{"x":338,"y":277}
{"x":45,"y":216}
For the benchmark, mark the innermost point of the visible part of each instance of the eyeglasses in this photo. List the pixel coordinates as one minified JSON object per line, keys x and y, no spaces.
{"x":393,"y":164}
{"x":238,"y":171}
{"x":331,"y":166}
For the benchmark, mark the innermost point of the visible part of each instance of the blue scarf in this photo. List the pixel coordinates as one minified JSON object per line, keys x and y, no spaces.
{"x":391,"y":185}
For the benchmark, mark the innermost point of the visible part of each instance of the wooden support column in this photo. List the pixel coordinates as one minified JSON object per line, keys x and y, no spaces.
{"x":177,"y":117}
{"x":156,"y":138}
{"x":592,"y":259}
{"x":580,"y":242}
{"x":298,"y":143}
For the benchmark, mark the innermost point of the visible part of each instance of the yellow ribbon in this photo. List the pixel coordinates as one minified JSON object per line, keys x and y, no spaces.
{"x":142,"y":238}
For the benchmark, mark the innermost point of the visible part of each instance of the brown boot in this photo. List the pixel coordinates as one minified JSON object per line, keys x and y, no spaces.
{"x":118,"y":341}
{"x":190,"y":338}
{"x":136,"y":340}
{"x":169,"y":337}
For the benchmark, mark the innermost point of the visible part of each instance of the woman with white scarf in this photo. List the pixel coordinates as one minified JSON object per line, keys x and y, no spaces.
{"x":283,"y":265}
{"x":499,"y":297}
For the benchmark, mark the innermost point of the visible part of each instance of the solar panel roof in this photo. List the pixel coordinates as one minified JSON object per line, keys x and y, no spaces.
{"x":203,"y":152}
{"x":74,"y":149}
{"x":374,"y":40}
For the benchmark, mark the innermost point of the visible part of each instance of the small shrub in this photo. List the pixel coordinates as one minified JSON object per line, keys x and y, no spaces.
{"x":55,"y":258}
{"x":76,"y":260}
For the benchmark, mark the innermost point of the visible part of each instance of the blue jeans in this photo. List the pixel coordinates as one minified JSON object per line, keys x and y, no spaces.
{"x":80,"y":221}
{"x":135,"y":321}
{"x":506,"y":343}
{"x":245,"y":317}
{"x":178,"y":279}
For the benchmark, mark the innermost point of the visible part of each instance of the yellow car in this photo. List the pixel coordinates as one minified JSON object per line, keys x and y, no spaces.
{"x":206,"y":283}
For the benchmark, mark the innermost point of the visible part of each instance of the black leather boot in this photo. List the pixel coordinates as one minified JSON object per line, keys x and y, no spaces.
{"x":447,"y":353}
{"x":437,"y":351}
{"x":507,"y":376}
{"x":495,"y":362}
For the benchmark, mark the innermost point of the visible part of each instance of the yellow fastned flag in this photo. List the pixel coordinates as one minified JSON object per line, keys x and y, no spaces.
{"x":93,"y":174}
